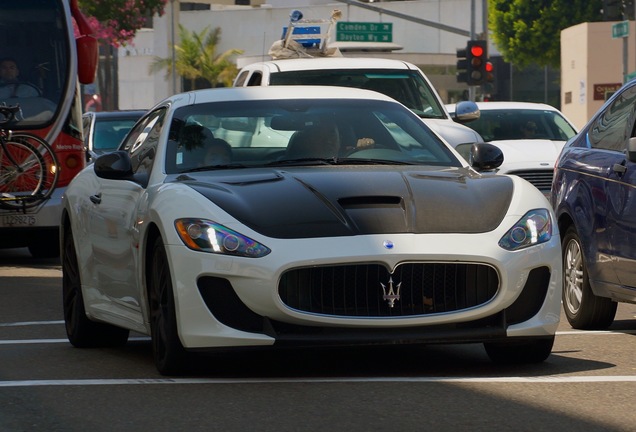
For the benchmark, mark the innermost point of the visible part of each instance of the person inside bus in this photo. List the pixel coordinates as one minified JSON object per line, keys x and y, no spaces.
{"x":10,"y":84}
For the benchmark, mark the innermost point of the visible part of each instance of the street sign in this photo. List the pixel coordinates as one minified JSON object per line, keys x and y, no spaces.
{"x":620,"y":30}
{"x":347,"y":31}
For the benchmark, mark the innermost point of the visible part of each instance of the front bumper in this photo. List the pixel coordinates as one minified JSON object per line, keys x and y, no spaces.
{"x":224,"y":301}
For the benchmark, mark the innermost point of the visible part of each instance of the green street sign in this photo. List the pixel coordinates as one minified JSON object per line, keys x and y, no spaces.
{"x":620,"y":30}
{"x":347,"y":31}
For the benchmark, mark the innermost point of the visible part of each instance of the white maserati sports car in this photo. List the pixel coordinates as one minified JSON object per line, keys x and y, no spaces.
{"x":304,"y":216}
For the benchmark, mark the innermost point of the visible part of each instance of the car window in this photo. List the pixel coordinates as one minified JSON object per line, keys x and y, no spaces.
{"x":109,"y":133}
{"x":259,"y":133}
{"x":142,"y":141}
{"x":407,"y":87}
{"x":255,"y":79}
{"x":86,"y":125}
{"x":240,"y":80}
{"x":518,"y":124}
{"x":611,"y":129}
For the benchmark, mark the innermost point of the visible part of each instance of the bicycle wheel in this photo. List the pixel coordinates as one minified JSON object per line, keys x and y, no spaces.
{"x":50,"y":160}
{"x":23,"y":174}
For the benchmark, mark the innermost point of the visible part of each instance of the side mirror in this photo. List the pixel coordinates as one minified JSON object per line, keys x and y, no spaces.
{"x":87,"y":58}
{"x":485,"y":156}
{"x":466,"y":111}
{"x":631,"y":149}
{"x":87,"y":46}
{"x":114,"y":166}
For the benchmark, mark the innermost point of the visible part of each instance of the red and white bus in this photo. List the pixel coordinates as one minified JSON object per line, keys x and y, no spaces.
{"x":40,"y":38}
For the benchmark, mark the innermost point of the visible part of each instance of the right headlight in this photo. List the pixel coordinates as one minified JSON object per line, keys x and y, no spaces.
{"x":533,"y":228}
{"x":207,"y":236}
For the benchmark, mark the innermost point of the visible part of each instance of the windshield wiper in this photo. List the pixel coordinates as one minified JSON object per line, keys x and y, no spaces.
{"x":358,"y":161}
{"x":304,"y":161}
{"x":214,"y":167}
{"x":337,"y":161}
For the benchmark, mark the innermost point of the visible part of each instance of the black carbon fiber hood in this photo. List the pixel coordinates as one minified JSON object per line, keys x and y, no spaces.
{"x":345,"y":201}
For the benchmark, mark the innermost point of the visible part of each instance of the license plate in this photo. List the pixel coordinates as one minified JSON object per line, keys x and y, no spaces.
{"x":17,"y":220}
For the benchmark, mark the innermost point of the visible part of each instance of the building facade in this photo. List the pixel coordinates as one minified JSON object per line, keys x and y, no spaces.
{"x":255,"y":27}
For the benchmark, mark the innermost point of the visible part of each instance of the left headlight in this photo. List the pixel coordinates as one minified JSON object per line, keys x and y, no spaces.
{"x":207,"y":236}
{"x":533,"y":228}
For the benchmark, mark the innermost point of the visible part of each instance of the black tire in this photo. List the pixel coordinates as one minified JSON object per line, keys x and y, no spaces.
{"x":82,"y":332}
{"x":532,"y":351}
{"x":169,"y":354}
{"x":583,"y":309}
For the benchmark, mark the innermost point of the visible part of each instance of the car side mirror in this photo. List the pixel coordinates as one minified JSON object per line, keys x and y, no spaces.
{"x":114,"y":166}
{"x":485,"y":156}
{"x":631,"y":149}
{"x":466,"y":111}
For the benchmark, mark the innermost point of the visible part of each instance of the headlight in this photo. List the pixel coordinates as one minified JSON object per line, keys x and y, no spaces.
{"x":533,"y":228}
{"x":206,"y":236}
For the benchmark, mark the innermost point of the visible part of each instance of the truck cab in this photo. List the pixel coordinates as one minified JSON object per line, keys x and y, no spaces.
{"x":398,"y":79}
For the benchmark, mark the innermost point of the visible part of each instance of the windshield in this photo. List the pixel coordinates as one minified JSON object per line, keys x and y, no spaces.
{"x":522,"y":124}
{"x":407,"y":87}
{"x":300,"y":132}
{"x":34,"y":59}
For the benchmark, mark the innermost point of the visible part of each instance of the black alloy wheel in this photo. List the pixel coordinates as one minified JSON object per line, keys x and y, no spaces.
{"x":169,"y":354}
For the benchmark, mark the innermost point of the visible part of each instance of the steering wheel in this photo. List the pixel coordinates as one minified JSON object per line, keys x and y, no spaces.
{"x":21,"y":84}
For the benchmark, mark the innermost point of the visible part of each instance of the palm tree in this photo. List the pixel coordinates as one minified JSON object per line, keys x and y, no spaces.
{"x":196,"y":58}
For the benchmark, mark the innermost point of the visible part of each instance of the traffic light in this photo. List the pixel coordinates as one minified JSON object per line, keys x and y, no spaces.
{"x":490,"y":72}
{"x":489,"y":81}
{"x":477,"y":54}
{"x":462,"y":65}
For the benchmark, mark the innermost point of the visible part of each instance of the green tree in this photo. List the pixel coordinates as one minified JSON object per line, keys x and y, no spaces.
{"x":196,"y":57}
{"x":528,"y":31}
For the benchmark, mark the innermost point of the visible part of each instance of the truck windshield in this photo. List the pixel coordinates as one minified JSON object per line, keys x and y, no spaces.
{"x":408,"y":88}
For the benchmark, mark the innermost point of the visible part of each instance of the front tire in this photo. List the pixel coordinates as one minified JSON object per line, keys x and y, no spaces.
{"x":534,"y":351}
{"x":169,"y":354}
{"x":582,"y":308}
{"x":82,"y":332}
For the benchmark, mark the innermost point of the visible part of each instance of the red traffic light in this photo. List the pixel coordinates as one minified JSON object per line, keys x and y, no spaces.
{"x":476,"y":51}
{"x":489,"y":67}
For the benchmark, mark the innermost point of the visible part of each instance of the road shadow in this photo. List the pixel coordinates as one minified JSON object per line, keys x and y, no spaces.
{"x":20,"y":257}
{"x":372,"y":361}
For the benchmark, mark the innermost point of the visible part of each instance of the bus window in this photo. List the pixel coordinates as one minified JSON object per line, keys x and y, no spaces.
{"x":35,"y":55}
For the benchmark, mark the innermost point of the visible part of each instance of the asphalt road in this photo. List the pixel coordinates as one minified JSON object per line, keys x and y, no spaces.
{"x":587,"y":384}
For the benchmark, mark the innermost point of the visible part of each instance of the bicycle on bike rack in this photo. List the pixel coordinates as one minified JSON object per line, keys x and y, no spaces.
{"x":28,"y":166}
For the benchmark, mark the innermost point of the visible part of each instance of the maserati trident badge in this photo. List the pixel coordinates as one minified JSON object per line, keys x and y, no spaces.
{"x":392,"y":294}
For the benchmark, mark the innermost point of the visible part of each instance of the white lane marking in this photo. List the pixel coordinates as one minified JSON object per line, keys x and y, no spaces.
{"x":30,"y":323}
{"x":182,"y":381}
{"x":53,"y":341}
{"x":595,"y":332}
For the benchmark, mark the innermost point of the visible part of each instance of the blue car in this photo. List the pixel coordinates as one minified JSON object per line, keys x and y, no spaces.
{"x":594,"y":197}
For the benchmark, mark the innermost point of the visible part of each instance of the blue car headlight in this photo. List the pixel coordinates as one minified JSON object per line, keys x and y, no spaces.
{"x":207,"y":236}
{"x":533,"y":228}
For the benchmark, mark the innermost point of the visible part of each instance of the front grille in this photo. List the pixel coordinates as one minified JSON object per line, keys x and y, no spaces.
{"x":541,"y":179}
{"x":357,"y":290}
